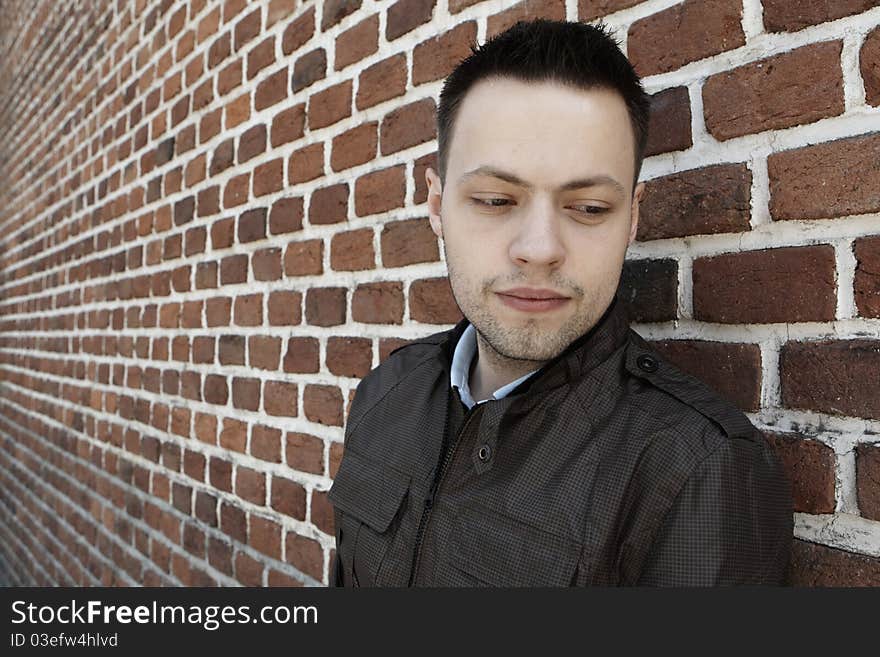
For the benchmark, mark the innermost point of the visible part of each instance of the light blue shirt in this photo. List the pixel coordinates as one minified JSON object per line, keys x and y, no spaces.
{"x":462,"y":358}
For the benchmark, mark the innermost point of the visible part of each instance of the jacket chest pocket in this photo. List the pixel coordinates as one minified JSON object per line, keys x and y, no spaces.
{"x":497,"y":550}
{"x":368,"y":494}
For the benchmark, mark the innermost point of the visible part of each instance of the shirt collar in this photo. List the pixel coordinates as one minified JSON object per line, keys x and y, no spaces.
{"x":465,"y":350}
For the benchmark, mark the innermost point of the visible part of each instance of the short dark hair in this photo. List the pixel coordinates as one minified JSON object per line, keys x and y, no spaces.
{"x":575,"y":54}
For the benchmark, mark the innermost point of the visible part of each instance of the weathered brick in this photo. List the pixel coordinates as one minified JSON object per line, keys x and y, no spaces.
{"x":233,"y":269}
{"x":289,"y":125}
{"x":306,"y":164}
{"x":251,"y":143}
{"x":809,"y":466}
{"x":271,"y":91}
{"x":279,"y":398}
{"x":286,"y":215}
{"x":406,"y":15}
{"x":355,"y":146}
{"x":322,"y":511}
{"x":231,"y":350}
{"x":349,"y":356}
{"x":233,"y":522}
{"x":669,"y":128}
{"x":248,"y":571}
{"x":832,"y":376}
{"x":868,"y":479}
{"x":299,"y":32}
{"x":436,"y":57}
{"x":407,"y":126}
{"x":431,"y":302}
{"x":777,"y":92}
{"x":305,"y":452}
{"x":335,"y":10}
{"x":357,"y":42}
{"x":869,"y":61}
{"x":733,"y":370}
{"x":589,"y":10}
{"x":684,"y":33}
{"x":264,"y":535}
{"x":288,"y":497}
{"x":715,"y":199}
{"x":330,"y":105}
{"x":787,"y":16}
{"x":304,"y":258}
{"x":352,"y":250}
{"x":867,"y":276}
{"x":650,"y":289}
{"x":260,"y":57}
{"x":304,"y":553}
{"x":252,"y":226}
{"x":285,"y":308}
{"x":269,"y":177}
{"x":248,"y":310}
{"x":308,"y":69}
{"x":248,"y":27}
{"x":826,"y":180}
{"x":323,"y":404}
{"x":377,"y":303}
{"x":380,"y":191}
{"x":266,"y":264}
{"x":325,"y":306}
{"x":301,"y":356}
{"x":236,"y":191}
{"x":329,"y":205}
{"x":818,"y":565}
{"x":408,"y":242}
{"x":793,"y":284}
{"x":264,"y":352}
{"x":525,"y":10}
{"x":381,"y":81}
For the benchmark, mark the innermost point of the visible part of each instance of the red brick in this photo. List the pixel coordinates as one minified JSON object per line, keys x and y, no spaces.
{"x":260,"y":57}
{"x":684,"y":33}
{"x":264,"y":352}
{"x":220,"y":472}
{"x":378,"y":303}
{"x":352,"y":250}
{"x":330,"y":105}
{"x":306,"y":164}
{"x":233,"y":522}
{"x":525,"y":10}
{"x":381,"y":81}
{"x":245,"y":394}
{"x":250,"y":485}
{"x":322,"y":512}
{"x":809,"y":466}
{"x":233,"y":435}
{"x":793,"y":284}
{"x":868,"y":480}
{"x":288,"y":497}
{"x":269,"y":177}
{"x":329,"y":205}
{"x":248,"y":571}
{"x":867,"y":277}
{"x":822,"y":566}
{"x":230,"y":77}
{"x":650,"y":289}
{"x":265,"y":536}
{"x":456,"y":6}
{"x":357,"y":42}
{"x":669,"y":128}
{"x":286,"y":216}
{"x":787,"y":16}
{"x":335,"y":10}
{"x":280,"y":9}
{"x":266,"y":443}
{"x":832,"y":376}
{"x":715,"y":199}
{"x":301,"y":356}
{"x":349,"y":356}
{"x":220,"y":49}
{"x":436,"y":57}
{"x":304,"y":258}
{"x":408,"y":242}
{"x":251,"y":143}
{"x":289,"y":125}
{"x":323,"y":404}
{"x":419,"y":167}
{"x":406,"y":15}
{"x":774,"y":93}
{"x":431,"y":302}
{"x":733,"y":370}
{"x":251,"y":227}
{"x":248,"y":310}
{"x":408,"y":126}
{"x":869,"y":58}
{"x":299,"y":32}
{"x":380,"y":191}
{"x":325,"y":306}
{"x":236,"y":191}
{"x":238,"y":111}
{"x":306,"y":554}
{"x":279,"y":398}
{"x":271,"y":91}
{"x":220,"y":555}
{"x":285,"y":308}
{"x":826,"y":180}
{"x":305,"y":452}
{"x":355,"y":146}
{"x":231,"y":350}
{"x":247,"y":28}
{"x":308,"y":69}
{"x":589,"y":10}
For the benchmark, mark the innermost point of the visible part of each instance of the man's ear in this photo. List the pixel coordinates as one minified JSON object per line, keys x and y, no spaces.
{"x":435,"y":195}
{"x":638,"y":192}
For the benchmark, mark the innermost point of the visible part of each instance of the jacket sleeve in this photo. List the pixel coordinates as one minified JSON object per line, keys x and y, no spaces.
{"x":731,"y":522}
{"x":335,"y":576}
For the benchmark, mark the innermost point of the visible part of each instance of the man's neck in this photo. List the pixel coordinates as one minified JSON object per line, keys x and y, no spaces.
{"x":490,"y":370}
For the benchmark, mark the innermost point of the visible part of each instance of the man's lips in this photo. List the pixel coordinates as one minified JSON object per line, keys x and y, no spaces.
{"x":533,"y":293}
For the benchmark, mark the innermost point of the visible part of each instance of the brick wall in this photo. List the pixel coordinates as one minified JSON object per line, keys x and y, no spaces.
{"x":213,"y":225}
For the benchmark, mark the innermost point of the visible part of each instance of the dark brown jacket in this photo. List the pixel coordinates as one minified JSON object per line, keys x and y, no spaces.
{"x":609,"y":466}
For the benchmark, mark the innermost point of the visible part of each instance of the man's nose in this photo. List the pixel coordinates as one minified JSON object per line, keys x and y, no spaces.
{"x":538,"y":240}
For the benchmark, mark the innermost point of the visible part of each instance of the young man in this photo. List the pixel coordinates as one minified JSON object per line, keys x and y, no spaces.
{"x":541,"y":442}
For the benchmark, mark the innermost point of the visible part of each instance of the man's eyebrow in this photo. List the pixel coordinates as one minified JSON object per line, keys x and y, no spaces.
{"x":513,"y":179}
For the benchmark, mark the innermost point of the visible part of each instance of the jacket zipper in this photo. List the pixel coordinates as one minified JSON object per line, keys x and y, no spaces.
{"x":429,"y":501}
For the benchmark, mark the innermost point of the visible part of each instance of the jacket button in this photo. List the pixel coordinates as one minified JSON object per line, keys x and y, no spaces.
{"x":647,"y":363}
{"x":484,"y":453}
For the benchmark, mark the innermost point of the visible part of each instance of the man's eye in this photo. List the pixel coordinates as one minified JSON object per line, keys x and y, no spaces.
{"x":491,"y":202}
{"x":590,"y":209}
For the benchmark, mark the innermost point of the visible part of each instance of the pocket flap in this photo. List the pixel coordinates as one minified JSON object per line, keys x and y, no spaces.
{"x":502,"y":551}
{"x":368,"y":490}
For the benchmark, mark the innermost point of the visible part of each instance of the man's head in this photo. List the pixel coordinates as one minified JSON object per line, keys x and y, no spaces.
{"x":541,"y":135}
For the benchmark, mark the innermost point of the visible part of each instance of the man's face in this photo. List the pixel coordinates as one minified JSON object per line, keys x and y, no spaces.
{"x":508,"y":219}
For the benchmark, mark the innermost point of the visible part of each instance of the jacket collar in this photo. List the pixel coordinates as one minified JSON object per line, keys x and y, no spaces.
{"x":578,"y":358}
